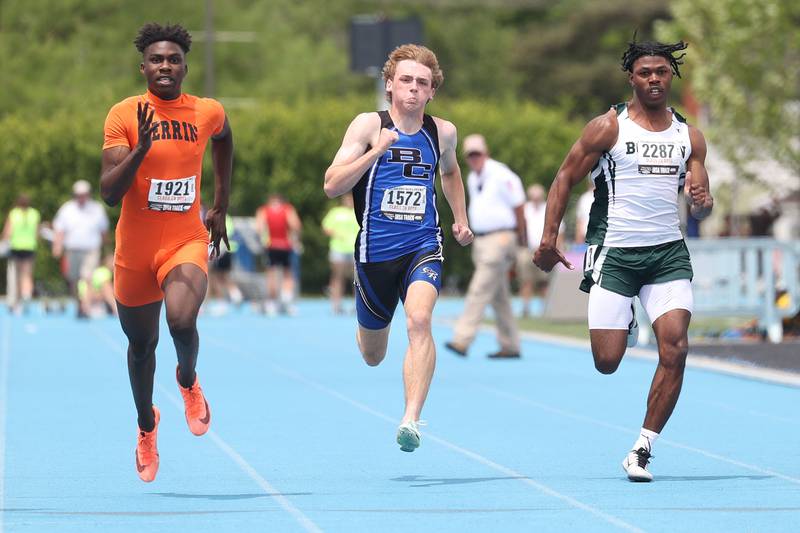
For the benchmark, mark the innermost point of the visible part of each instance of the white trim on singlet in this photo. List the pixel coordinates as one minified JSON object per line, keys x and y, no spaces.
{"x":597,"y":273}
{"x":362,"y":252}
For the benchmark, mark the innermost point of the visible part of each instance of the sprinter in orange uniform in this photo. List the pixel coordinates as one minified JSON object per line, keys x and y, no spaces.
{"x":152,"y":161}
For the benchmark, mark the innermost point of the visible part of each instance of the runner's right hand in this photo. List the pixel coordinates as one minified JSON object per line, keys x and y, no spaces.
{"x":546,"y":257}
{"x":146,"y":127}
{"x":386,"y":139}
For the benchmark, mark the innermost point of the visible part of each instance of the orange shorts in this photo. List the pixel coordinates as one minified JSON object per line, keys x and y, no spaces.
{"x":141,"y":263}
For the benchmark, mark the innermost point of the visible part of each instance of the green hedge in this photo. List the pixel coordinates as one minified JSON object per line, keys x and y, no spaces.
{"x":278,"y":147}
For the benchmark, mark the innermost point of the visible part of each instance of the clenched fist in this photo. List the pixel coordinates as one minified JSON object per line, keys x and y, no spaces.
{"x":386,"y":139}
{"x":462,"y":234}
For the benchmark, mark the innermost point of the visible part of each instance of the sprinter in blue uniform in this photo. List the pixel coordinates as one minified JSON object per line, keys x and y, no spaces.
{"x":389,"y":161}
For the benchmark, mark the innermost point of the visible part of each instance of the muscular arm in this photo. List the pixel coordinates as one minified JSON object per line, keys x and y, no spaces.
{"x":119,"y":168}
{"x":353,"y":159}
{"x":120,"y":163}
{"x":599,"y":135}
{"x":222,"y":158}
{"x":452,"y":184}
{"x":696,"y":188}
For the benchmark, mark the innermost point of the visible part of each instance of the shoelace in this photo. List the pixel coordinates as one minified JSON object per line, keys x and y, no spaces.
{"x":642,"y":457}
{"x":194,"y":397}
{"x":416,"y":424}
{"x":147,"y":446}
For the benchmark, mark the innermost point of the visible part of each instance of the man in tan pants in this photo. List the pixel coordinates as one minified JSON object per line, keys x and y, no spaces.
{"x":496,"y":216}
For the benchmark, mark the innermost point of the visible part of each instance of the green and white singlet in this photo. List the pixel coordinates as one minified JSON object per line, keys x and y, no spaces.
{"x":637,"y":183}
{"x":634,"y":233}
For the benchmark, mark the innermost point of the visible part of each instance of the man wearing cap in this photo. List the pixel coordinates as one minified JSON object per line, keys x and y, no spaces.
{"x":80,"y":227}
{"x":496,"y":216}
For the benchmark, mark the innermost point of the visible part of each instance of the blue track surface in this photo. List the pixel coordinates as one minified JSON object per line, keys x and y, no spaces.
{"x":303,"y":438}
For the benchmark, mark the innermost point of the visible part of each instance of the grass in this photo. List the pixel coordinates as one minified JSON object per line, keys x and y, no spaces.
{"x":701,"y":326}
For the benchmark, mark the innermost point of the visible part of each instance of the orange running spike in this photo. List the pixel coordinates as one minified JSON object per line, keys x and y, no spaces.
{"x":147,"y":451}
{"x":198,"y":414}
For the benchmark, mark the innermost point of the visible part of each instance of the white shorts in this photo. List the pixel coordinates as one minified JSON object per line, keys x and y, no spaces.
{"x":609,"y":310}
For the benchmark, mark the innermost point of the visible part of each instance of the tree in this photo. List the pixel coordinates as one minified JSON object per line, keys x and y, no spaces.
{"x":744,"y":64}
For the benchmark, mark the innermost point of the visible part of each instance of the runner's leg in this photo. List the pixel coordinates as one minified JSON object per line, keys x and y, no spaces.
{"x":184,"y":290}
{"x":140,"y":325}
{"x":420,"y":358}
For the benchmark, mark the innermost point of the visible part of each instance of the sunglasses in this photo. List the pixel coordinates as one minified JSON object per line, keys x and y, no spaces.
{"x":470,"y":155}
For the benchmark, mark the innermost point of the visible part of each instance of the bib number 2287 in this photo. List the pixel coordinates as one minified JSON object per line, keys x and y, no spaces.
{"x":171,"y":195}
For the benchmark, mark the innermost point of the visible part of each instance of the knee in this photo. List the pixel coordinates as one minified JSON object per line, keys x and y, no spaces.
{"x":182,"y":324}
{"x":606,"y":362}
{"x":672,"y":355}
{"x":373,"y":355}
{"x":373,"y":358}
{"x":142,"y":348}
{"x":418,"y":323}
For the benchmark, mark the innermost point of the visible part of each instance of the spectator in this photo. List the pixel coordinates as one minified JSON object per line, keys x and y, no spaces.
{"x":341,"y":226}
{"x":532,"y":281}
{"x":80,"y":228}
{"x":20,"y":232}
{"x":280,"y":227}
{"x":496,"y":216}
{"x":97,"y":296}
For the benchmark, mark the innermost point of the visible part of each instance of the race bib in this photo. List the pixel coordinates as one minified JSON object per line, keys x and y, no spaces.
{"x":406,"y":202}
{"x":660,"y":158}
{"x":171,"y":195}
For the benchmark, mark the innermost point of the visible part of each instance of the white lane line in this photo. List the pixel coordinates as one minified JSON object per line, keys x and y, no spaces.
{"x":5,"y":358}
{"x":703,"y":362}
{"x":240,"y":461}
{"x":754,"y":413}
{"x":463,"y":451}
{"x":674,"y":444}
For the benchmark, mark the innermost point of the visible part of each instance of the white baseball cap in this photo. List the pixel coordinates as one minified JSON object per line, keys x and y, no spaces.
{"x":475,"y":143}
{"x":81,"y":187}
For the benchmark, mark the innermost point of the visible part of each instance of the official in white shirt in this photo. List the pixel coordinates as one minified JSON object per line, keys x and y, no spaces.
{"x":532,"y":280}
{"x":496,"y":199}
{"x":80,"y":227}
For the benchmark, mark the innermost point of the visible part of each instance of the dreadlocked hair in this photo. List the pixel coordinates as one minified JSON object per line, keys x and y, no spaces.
{"x":652,"y":48}
{"x":154,"y":32}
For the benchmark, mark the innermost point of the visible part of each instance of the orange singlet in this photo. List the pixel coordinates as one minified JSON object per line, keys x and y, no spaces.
{"x":159,"y":227}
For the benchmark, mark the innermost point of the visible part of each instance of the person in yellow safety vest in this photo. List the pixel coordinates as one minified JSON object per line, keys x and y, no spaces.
{"x":99,"y":291}
{"x":20,"y":232}
{"x":341,"y":226}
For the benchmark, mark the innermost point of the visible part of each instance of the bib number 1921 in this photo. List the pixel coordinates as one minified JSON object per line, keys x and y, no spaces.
{"x":176,"y":195}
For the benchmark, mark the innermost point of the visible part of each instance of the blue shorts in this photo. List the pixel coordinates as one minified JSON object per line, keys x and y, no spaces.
{"x":380,"y":285}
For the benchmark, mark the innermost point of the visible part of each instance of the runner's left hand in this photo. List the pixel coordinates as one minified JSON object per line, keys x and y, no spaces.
{"x":215,"y":223}
{"x":701,"y":202}
{"x":463,"y":234}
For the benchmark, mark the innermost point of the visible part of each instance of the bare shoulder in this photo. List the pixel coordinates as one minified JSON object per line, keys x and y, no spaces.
{"x":448,"y":135}
{"x":604,"y":126}
{"x":364,"y":128}
{"x":697,"y":139}
{"x":366,"y":121}
{"x":601,"y":132}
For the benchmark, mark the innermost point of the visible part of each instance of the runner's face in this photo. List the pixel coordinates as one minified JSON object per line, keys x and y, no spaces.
{"x":411,"y":86}
{"x":164,"y":67}
{"x":651,"y":80}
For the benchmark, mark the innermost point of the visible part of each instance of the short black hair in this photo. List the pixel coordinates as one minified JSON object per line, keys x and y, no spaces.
{"x":653,"y":48}
{"x":154,"y":32}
